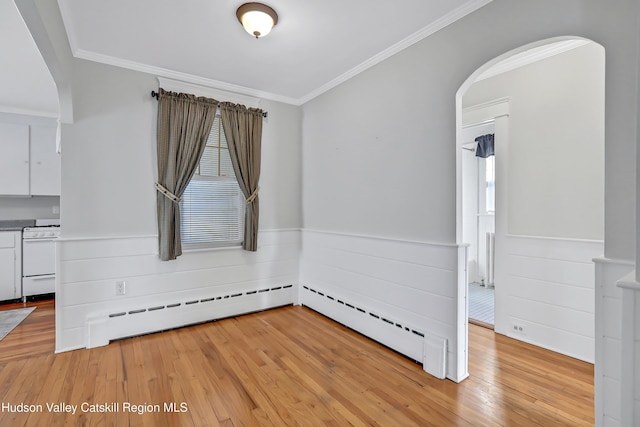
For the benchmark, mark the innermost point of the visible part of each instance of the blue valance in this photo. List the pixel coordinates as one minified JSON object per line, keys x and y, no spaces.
{"x":485,"y":146}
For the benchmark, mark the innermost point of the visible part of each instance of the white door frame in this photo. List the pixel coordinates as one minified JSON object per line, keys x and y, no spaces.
{"x":498,"y":112}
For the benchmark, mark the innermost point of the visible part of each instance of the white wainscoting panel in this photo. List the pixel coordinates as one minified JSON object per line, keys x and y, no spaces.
{"x":548,"y":291}
{"x":608,"y":372}
{"x":635,"y":416}
{"x":199,"y":286}
{"x":630,"y":346}
{"x":400,"y":293}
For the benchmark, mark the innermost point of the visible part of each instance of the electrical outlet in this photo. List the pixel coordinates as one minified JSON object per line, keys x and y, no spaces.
{"x":517,"y":328}
{"x":121,"y":287}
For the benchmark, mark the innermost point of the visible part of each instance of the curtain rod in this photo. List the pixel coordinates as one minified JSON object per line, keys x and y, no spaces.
{"x":156,"y":95}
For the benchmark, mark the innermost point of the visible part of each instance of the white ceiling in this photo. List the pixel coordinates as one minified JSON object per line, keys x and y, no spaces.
{"x":315,"y":45}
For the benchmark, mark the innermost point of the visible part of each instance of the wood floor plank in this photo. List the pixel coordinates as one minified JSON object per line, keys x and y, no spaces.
{"x":284,"y":367}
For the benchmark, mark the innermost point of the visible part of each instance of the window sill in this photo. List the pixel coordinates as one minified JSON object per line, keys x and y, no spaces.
{"x":197,"y":248}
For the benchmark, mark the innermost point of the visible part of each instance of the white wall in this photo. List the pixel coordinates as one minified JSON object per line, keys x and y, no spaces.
{"x":379,"y":150}
{"x":108,"y":154}
{"x":204,"y":285}
{"x":405,"y":282}
{"x":109,"y":164}
{"x":36,"y":207}
{"x":108,"y":210}
{"x":555,"y":185}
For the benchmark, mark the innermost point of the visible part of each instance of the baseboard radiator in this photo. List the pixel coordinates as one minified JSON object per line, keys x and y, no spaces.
{"x":406,"y":339}
{"x":133,"y":321}
{"x":490,"y":258}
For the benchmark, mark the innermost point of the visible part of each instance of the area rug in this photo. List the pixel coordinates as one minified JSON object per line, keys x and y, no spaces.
{"x":9,"y":319}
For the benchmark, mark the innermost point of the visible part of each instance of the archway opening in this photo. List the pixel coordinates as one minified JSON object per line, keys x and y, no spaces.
{"x":545,"y":103}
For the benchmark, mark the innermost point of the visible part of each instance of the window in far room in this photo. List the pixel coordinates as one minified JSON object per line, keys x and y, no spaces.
{"x":490,"y":168}
{"x":212,"y":206}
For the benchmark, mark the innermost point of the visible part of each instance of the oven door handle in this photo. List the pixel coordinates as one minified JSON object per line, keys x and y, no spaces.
{"x":38,"y":239}
{"x":42,"y":277}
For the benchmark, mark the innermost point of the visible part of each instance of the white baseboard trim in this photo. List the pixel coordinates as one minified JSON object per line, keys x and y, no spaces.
{"x":126,"y":321}
{"x":429,"y":350}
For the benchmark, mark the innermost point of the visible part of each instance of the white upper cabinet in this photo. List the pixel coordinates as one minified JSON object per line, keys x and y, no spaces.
{"x":14,"y":159}
{"x":29,"y":163}
{"x":45,"y":162}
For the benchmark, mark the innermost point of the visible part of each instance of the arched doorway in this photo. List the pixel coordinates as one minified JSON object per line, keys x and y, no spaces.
{"x":546,"y":101}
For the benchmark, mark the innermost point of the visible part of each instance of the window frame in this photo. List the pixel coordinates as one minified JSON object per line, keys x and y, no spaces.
{"x":221,"y":95}
{"x":194,"y":246}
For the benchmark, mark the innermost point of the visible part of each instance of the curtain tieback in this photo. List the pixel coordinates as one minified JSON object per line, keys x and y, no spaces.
{"x":166,"y":193}
{"x":253,"y":195}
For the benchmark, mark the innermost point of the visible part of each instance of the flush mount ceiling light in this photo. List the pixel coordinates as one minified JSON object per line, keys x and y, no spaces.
{"x":257,"y":18}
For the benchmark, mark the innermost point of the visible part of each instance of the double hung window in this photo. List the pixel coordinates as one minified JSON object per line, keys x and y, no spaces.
{"x":212,"y":206}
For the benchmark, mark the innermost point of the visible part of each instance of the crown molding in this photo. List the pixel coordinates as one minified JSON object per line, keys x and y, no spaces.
{"x":419,"y":35}
{"x":184,"y":77}
{"x":414,"y":38}
{"x":198,"y":90}
{"x":30,"y":117}
{"x":6,"y":109}
{"x":158,"y":71}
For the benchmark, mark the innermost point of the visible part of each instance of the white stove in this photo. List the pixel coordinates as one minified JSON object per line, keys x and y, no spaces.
{"x":39,"y":258}
{"x":48,"y":232}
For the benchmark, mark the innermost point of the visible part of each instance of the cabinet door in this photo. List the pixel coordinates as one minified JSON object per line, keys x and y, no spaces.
{"x":14,"y":159}
{"x":45,"y":162}
{"x":10,"y":265}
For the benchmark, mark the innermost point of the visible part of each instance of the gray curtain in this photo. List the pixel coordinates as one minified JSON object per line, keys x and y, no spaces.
{"x":184,"y":123}
{"x":243,"y":130}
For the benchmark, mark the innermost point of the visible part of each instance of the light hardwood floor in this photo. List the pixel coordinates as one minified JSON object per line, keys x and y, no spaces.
{"x":288,"y":366}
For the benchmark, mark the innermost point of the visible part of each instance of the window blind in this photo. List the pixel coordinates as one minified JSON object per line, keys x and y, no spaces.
{"x":212,"y":206}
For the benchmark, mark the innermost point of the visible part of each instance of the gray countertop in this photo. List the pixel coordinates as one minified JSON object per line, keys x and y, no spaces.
{"x":16,"y":225}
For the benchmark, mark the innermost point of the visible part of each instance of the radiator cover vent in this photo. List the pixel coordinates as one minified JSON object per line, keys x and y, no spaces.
{"x":428,"y":349}
{"x":100,"y":328}
{"x":361,"y":310}
{"x":191,"y":302}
